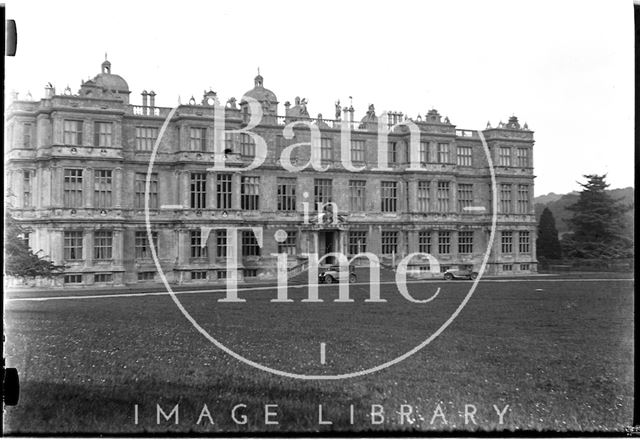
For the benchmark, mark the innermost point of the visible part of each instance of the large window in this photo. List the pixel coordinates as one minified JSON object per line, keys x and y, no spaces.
{"x":142,"y":246}
{"x":357,"y":150}
{"x":250,"y":246}
{"x":146,"y":138}
{"x":72,"y":132}
{"x":198,"y":191}
{"x":286,"y":194}
{"x":465,"y":242}
{"x":103,"y":182}
{"x":444,"y":242}
{"x":26,"y":189}
{"x":102,"y":245}
{"x":465,"y":156}
{"x":423,"y":196}
{"x":443,"y":152}
{"x":140,"y":182}
{"x":505,"y":198}
{"x":26,"y":135}
{"x":72,"y":245}
{"x":389,"y":196}
{"x":523,"y":199}
{"x":523,"y":157}
{"x":504,"y":156}
{"x":229,"y":142}
{"x":198,"y":245}
{"x":288,"y":246}
{"x":103,"y":134}
{"x":524,"y":243}
{"x":250,"y":193}
{"x":465,"y":196}
{"x":393,"y":153}
{"x":389,"y":242}
{"x":424,"y":152}
{"x":357,"y":195}
{"x":221,"y":243}
{"x":72,"y":191}
{"x":424,"y":242}
{"x":223,"y":191}
{"x":322,"y":191}
{"x":247,"y":146}
{"x":444,"y":195}
{"x":357,"y":242}
{"x":326,"y":151}
{"x":507,"y":242}
{"x":198,"y":139}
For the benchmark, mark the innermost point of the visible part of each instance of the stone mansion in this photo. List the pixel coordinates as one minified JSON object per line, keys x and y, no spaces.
{"x":76,"y":168}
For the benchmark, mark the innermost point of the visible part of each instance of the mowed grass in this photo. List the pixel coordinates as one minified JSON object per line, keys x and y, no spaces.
{"x":559,"y":353}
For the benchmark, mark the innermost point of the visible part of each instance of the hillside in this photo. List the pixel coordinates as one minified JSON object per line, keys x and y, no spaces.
{"x":558,"y":203}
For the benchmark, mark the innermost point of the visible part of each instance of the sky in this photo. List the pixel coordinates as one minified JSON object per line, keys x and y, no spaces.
{"x":564,"y":67}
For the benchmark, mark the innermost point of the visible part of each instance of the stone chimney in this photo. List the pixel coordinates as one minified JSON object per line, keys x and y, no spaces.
{"x":144,"y":98}
{"x":152,"y":99}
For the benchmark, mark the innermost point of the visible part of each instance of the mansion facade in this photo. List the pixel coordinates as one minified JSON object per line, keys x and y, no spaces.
{"x":76,"y":170}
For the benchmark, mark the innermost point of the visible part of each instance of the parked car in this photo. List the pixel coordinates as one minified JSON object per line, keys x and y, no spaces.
{"x":335,"y":273}
{"x":460,"y":273}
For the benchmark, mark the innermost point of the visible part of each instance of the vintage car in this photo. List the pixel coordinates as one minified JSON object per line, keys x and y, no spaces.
{"x":460,"y":273}
{"x":335,"y":273}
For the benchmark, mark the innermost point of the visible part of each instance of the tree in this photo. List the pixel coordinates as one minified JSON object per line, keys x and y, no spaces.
{"x":20,"y":261}
{"x":597,"y":225}
{"x":547,"y":243}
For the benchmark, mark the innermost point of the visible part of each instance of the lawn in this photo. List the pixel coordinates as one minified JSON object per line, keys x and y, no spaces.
{"x":558,"y":353}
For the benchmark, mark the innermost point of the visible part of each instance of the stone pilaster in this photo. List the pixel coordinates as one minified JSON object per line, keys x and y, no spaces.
{"x":235,"y":191}
{"x":118,"y":242}
{"x":117,"y":187}
{"x":87,"y":247}
{"x":88,"y":187}
{"x":211,"y":190}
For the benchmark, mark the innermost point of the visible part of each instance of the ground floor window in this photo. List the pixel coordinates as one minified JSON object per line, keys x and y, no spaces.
{"x":525,"y":267}
{"x":250,"y":273}
{"x":424,"y":242}
{"x":524,"y":243}
{"x":250,"y":247}
{"x":288,"y":246}
{"x":198,"y":275}
{"x":444,"y":242}
{"x":73,"y":279}
{"x":389,"y":242}
{"x":146,"y":276}
{"x":103,"y":278}
{"x":102,"y":245}
{"x":507,"y":267}
{"x":507,"y":242}
{"x":465,"y":242}
{"x":221,"y":274}
{"x":198,"y":246}
{"x":357,"y":242}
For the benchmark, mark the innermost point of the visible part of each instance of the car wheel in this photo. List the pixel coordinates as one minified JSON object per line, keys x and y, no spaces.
{"x":328,"y":279}
{"x":11,"y":387}
{"x":473,"y":276}
{"x":352,"y":278}
{"x":448,"y":276}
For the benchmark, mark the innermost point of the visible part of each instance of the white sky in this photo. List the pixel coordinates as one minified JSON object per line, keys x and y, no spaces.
{"x":565,"y":67}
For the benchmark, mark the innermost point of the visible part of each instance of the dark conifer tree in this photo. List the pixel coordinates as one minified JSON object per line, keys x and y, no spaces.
{"x":547,"y":243}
